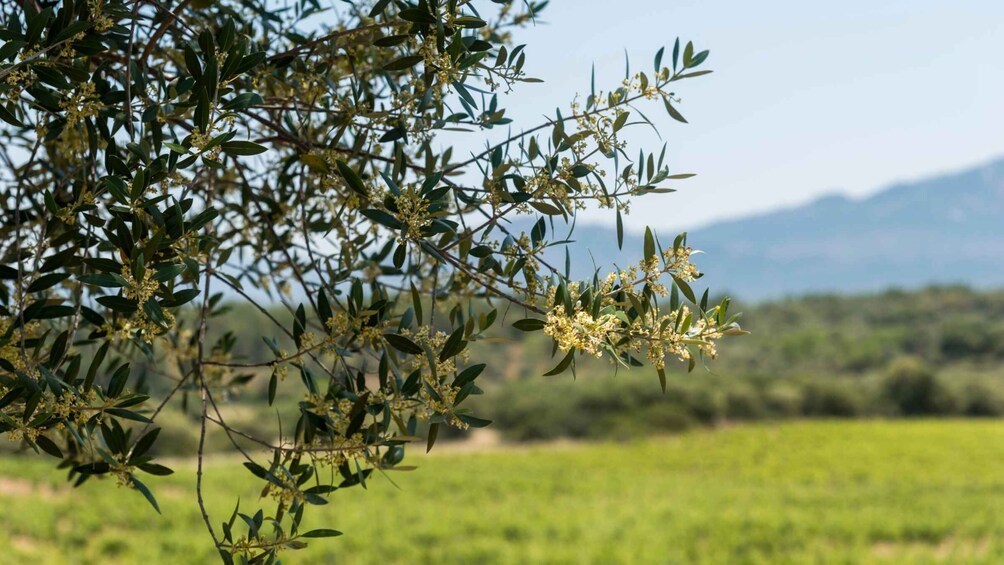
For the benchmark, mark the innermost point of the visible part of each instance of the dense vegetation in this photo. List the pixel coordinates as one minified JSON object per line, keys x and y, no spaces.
{"x":896,"y":354}
{"x":937,"y":351}
{"x":834,"y":492}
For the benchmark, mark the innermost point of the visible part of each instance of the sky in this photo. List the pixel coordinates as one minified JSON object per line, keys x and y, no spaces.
{"x":806,"y":99}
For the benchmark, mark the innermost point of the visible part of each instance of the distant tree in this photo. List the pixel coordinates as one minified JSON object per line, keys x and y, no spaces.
{"x":913,"y":390}
{"x":162,"y":153}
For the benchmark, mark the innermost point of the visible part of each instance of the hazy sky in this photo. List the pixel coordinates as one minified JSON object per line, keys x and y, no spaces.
{"x":807,"y":98}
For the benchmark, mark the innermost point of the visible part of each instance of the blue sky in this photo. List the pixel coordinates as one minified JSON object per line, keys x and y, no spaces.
{"x":807,"y":98}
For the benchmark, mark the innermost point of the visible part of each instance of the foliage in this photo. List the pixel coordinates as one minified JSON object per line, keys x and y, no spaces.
{"x":832,"y":334}
{"x":914,"y":390}
{"x":762,"y":377}
{"x":819,"y":335}
{"x":161,"y":154}
{"x":879,"y":355}
{"x":598,"y":407}
{"x":820,"y":492}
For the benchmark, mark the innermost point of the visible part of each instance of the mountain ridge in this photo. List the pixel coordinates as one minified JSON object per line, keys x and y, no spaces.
{"x":944,"y":229}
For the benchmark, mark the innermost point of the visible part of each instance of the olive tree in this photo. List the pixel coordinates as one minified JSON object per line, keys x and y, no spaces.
{"x":163,"y":158}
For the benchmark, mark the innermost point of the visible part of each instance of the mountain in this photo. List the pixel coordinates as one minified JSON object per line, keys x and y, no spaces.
{"x":943,"y":230}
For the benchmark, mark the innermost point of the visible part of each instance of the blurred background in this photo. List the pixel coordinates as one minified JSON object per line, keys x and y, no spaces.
{"x":849,"y":197}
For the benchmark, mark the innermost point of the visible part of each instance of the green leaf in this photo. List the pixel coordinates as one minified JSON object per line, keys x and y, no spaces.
{"x":249,"y":62}
{"x":202,"y":109}
{"x":416,"y":302}
{"x":473,"y":421}
{"x":92,"y":370}
{"x":323,"y":308}
{"x":47,"y":281}
{"x":192,"y":63}
{"x":378,"y":8}
{"x":145,"y":492}
{"x":243,"y":101}
{"x":620,"y":230}
{"x":649,"y":244}
{"x":49,"y":446}
{"x":155,"y":314}
{"x":116,"y":384}
{"x":168,"y":272}
{"x":431,"y":440}
{"x":685,"y":289}
{"x":417,"y":16}
{"x":321,"y":533}
{"x":468,"y":374}
{"x":621,"y":120}
{"x":545,"y":208}
{"x":10,"y":118}
{"x":470,"y":22}
{"x":462,"y":91}
{"x":693,"y":74}
{"x":561,"y":366}
{"x":118,"y":303}
{"x":393,"y":134}
{"x":155,"y":469}
{"x":673,"y":112}
{"x":273,"y":383}
{"x":352,"y":178}
{"x":128,"y":415}
{"x":145,"y":443}
{"x":242,"y":148}
{"x":256,"y":469}
{"x":454,"y":345}
{"x":529,"y":325}
{"x":402,"y":343}
{"x":181,"y":297}
{"x":406,"y":62}
{"x":383,"y":218}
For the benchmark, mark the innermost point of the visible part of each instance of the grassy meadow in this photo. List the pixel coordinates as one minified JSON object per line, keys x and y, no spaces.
{"x":907,"y":491}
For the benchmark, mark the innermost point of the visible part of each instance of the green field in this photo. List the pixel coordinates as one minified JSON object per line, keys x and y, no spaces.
{"x":824,"y":492}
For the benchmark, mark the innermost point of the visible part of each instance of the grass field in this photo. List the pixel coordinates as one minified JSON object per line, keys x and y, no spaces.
{"x":830,"y":492}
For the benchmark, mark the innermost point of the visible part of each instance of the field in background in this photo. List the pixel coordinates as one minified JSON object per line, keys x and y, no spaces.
{"x":810,"y":492}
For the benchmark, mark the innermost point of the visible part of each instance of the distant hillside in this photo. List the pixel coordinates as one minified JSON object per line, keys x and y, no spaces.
{"x":947,"y":229}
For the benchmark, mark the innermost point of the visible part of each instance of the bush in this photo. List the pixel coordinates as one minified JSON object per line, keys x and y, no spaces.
{"x":834,"y":397}
{"x":966,"y":338}
{"x":783,"y":400}
{"x":744,"y":402}
{"x":982,"y":398}
{"x":662,"y":417}
{"x":913,"y":390}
